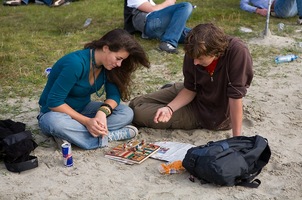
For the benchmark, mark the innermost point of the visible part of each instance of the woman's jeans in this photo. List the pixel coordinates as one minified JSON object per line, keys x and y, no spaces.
{"x":63,"y":126}
{"x":169,"y":24}
{"x":288,"y":8}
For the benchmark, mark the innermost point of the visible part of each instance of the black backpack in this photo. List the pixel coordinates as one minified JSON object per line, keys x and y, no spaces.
{"x":16,"y":145}
{"x":233,"y":161}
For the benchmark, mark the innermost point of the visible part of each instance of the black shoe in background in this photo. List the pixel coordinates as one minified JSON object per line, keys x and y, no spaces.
{"x":164,"y":46}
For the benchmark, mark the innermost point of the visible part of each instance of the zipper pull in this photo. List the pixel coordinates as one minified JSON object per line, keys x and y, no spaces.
{"x":212,"y":79}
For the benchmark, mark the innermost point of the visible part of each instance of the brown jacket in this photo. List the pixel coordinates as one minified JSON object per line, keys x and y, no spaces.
{"x":231,"y":78}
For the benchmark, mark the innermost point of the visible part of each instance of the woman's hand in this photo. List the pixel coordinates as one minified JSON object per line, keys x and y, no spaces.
{"x":97,"y":126}
{"x":163,"y":114}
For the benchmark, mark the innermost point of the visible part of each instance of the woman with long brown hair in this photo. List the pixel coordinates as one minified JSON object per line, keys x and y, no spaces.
{"x":67,"y":111}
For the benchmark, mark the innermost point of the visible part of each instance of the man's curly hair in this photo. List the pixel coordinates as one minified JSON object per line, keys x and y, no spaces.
{"x":205,"y":40}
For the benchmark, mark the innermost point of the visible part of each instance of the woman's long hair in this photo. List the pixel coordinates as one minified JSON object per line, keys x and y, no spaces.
{"x":116,"y":40}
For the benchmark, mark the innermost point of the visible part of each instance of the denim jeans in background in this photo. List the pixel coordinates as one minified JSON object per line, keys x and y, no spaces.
{"x":63,"y":126}
{"x":47,"y":2}
{"x":169,"y":24}
{"x":288,"y":8}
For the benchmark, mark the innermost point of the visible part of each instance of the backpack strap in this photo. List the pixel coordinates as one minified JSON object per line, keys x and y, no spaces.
{"x":192,"y":179}
{"x":22,"y":166}
{"x":253,"y":184}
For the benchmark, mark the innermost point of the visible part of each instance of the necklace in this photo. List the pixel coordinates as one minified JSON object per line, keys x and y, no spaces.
{"x":94,"y":66}
{"x":93,"y":60}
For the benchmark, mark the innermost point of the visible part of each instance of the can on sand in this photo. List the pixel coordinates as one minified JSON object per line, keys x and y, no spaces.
{"x":67,"y":157}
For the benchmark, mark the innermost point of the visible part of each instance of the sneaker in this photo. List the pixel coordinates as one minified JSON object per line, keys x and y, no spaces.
{"x":58,"y":3}
{"x":12,"y":3}
{"x":299,"y":21}
{"x":59,"y":141}
{"x":164,"y":46}
{"x":273,"y":14}
{"x":125,"y":133}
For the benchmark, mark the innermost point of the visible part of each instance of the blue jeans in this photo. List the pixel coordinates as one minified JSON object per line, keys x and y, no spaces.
{"x":288,"y":8}
{"x":63,"y":126}
{"x":47,"y":2}
{"x":169,"y":24}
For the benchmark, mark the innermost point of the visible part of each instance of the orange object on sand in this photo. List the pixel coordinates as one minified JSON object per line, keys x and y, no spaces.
{"x":171,"y":168}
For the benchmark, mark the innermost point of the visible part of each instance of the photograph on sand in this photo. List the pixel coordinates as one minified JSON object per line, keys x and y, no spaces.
{"x":35,"y":37}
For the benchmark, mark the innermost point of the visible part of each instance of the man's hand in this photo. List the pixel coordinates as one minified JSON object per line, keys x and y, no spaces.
{"x":171,"y":2}
{"x":261,"y":11}
{"x":148,"y":7}
{"x":163,"y":114}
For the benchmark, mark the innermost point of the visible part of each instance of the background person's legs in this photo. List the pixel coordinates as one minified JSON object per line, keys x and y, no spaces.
{"x":299,"y":7}
{"x":285,"y":8}
{"x":169,"y":25}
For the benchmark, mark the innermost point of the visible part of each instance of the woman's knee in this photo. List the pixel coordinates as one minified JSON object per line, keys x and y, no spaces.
{"x":122,"y":115}
{"x":125,"y":111}
{"x":52,"y":122}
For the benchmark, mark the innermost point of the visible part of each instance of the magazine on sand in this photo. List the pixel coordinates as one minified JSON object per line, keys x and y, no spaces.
{"x":171,"y":151}
{"x":132,"y":152}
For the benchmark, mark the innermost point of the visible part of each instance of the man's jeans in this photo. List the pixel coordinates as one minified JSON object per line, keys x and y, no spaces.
{"x":169,"y":24}
{"x":63,"y":126}
{"x":288,"y":8}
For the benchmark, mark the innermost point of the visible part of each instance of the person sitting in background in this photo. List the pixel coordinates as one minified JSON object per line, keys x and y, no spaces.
{"x":165,"y":21}
{"x":25,"y":2}
{"x":54,"y":3}
{"x":217,"y":72}
{"x":279,"y":8}
{"x":66,"y":109}
{"x":15,"y":2}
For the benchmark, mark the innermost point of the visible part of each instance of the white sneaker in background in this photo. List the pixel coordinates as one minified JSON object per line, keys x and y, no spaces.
{"x":299,"y":21}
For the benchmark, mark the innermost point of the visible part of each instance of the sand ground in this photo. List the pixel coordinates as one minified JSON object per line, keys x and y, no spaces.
{"x":272,"y":109}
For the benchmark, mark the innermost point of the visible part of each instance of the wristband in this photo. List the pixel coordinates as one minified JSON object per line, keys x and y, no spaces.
{"x":108,"y":106}
{"x":170,"y":109}
{"x":105,"y":110}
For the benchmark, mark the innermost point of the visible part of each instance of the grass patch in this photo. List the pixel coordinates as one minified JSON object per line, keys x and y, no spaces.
{"x":34,"y":37}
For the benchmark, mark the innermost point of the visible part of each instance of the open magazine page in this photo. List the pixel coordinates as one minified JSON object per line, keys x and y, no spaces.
{"x":171,"y":151}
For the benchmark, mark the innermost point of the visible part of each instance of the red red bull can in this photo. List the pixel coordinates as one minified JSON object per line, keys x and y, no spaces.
{"x":67,"y":157}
